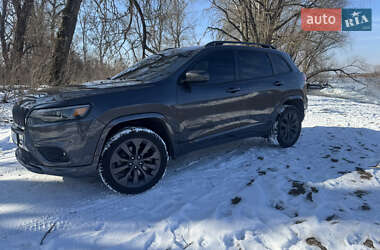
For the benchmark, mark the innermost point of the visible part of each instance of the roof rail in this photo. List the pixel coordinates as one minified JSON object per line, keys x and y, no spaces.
{"x":219,"y":43}
{"x":168,"y":48}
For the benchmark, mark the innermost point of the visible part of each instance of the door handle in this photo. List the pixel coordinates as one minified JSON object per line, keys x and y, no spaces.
{"x":277,"y":83}
{"x":233,"y":90}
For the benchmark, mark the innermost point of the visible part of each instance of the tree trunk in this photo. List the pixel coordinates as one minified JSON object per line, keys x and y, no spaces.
{"x":142,"y":18}
{"x":4,"y":45}
{"x":63,"y":41}
{"x":23,"y":13}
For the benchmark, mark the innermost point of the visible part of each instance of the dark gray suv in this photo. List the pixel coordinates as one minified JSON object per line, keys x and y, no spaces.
{"x":126,"y":128}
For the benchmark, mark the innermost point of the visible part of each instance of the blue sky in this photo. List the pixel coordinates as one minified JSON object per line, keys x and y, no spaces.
{"x":364,"y":45}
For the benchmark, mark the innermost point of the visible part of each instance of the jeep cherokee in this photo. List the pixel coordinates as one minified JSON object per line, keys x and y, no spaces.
{"x":126,"y":128}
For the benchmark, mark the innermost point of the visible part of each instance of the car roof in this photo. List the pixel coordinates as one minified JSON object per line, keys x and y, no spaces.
{"x":218,"y":43}
{"x":222,"y":44}
{"x":174,"y":51}
{"x":225,"y":45}
{"x":245,"y":47}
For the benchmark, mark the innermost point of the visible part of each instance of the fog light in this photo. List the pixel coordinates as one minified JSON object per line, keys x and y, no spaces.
{"x":53,"y":154}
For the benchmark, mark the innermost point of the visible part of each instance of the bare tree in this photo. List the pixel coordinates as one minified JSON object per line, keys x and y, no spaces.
{"x":3,"y":34}
{"x":36,"y":35}
{"x":106,"y":26}
{"x":159,"y":25}
{"x":277,"y":22}
{"x":156,"y":13}
{"x":53,"y":12}
{"x":13,"y":48}
{"x":63,"y":41}
{"x":177,"y":25}
{"x":23,"y":10}
{"x":140,"y":13}
{"x":84,"y":23}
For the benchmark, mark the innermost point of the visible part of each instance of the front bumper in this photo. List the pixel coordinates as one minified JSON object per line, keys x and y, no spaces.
{"x":63,"y":149}
{"x":27,"y":160}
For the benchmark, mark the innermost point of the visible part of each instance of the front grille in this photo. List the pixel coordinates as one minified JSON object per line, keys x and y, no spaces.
{"x":19,"y":115}
{"x":21,"y":109}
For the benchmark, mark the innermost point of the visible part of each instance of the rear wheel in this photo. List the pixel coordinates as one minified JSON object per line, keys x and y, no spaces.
{"x":288,"y":127}
{"x":133,"y":161}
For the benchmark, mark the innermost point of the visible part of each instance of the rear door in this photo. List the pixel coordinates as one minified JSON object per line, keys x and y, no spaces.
{"x":283,"y":72}
{"x":256,"y":76}
{"x":210,"y":108}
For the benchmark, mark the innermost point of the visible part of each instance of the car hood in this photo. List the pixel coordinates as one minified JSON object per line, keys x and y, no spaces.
{"x":65,"y":93}
{"x":94,"y":86}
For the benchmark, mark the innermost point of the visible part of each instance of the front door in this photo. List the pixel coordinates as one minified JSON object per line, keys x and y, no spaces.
{"x":211,"y":108}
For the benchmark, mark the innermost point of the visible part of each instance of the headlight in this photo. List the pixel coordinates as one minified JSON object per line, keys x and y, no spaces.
{"x":40,"y":116}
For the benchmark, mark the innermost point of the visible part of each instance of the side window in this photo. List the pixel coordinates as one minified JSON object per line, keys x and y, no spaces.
{"x":253,"y":64}
{"x":280,"y":65}
{"x":219,"y":64}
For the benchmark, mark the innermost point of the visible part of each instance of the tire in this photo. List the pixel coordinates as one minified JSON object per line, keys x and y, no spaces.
{"x":288,"y":127}
{"x":133,"y":161}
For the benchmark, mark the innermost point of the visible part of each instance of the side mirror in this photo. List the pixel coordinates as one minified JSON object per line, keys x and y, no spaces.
{"x":196,"y":76}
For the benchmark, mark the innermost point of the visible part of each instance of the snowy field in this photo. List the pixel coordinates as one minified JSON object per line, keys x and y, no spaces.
{"x":322,"y":193}
{"x":366,"y":90}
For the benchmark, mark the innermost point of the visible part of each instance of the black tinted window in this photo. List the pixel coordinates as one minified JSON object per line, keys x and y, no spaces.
{"x":280,"y":65}
{"x":253,"y":64}
{"x":219,"y":64}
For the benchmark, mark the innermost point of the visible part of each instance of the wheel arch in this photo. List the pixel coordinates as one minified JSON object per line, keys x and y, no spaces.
{"x":296,"y":101}
{"x":153,"y":121}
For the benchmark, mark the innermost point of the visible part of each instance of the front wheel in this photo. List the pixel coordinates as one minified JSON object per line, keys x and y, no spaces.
{"x":133,"y":161}
{"x":288,"y":127}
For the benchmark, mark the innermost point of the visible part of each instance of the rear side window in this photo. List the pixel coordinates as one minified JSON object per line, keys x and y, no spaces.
{"x":280,"y":65}
{"x":219,"y":64}
{"x":253,"y":64}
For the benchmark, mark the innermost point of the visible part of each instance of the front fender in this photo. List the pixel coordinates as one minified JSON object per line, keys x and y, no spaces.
{"x":129,"y":118}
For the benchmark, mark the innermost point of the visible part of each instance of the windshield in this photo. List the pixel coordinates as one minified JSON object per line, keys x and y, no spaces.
{"x":158,"y":65}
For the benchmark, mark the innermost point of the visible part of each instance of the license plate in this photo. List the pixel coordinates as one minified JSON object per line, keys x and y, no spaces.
{"x":14,"y":137}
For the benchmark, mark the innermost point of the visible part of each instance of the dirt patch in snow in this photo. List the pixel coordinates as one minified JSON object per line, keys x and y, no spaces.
{"x":314,"y":242}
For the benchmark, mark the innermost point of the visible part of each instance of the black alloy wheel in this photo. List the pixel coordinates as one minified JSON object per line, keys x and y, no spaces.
{"x":288,"y":127}
{"x":133,"y":161}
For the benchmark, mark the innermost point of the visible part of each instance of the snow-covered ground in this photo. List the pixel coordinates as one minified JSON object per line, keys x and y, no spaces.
{"x":367,"y":90}
{"x":324,"y":191}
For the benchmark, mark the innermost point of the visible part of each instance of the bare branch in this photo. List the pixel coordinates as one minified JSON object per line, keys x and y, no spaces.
{"x":224,"y":32}
{"x":341,"y":70}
